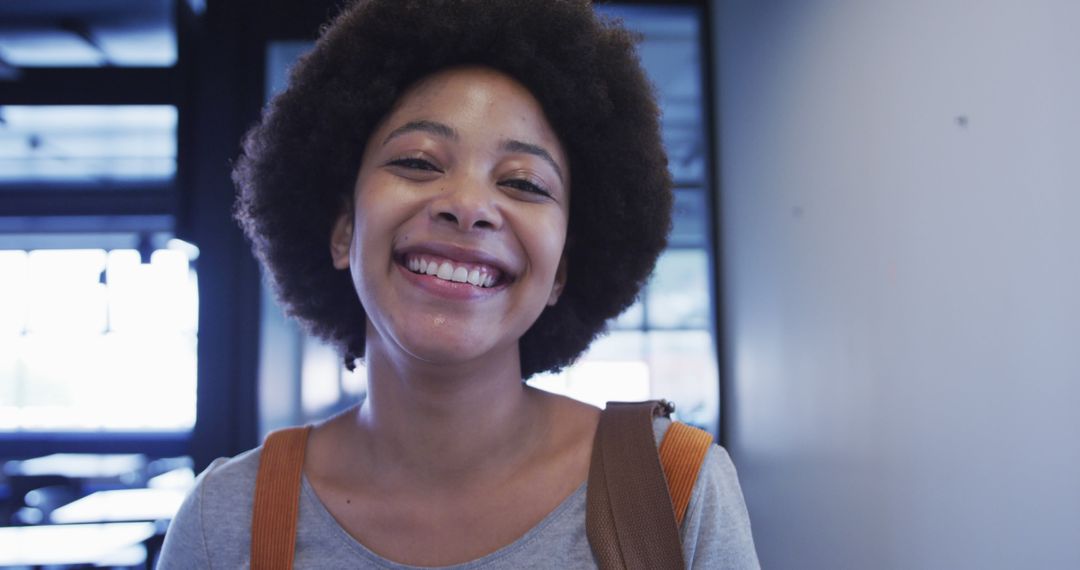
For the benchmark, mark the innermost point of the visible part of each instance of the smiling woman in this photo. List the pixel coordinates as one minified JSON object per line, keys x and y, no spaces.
{"x":462,"y":194}
{"x":300,"y":165}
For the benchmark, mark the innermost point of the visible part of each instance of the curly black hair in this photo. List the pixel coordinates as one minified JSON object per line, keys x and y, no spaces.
{"x":299,"y":163}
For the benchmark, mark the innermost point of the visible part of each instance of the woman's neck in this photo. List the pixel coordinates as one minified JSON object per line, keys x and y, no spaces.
{"x":441,"y":426}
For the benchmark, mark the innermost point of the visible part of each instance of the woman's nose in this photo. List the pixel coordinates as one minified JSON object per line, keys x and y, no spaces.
{"x":468,"y":205}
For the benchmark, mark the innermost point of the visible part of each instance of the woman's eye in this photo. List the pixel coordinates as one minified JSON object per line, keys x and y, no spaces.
{"x":414,"y":164}
{"x":526,"y":186}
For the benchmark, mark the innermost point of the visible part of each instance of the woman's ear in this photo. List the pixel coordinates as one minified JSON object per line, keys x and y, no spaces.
{"x":560,"y":282}
{"x":341,"y":240}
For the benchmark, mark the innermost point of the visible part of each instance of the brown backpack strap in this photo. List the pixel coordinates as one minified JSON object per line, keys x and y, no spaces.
{"x":629,"y":520}
{"x":277,"y":499}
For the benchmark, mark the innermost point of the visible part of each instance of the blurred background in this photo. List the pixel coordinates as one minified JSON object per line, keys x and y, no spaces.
{"x":870,"y":294}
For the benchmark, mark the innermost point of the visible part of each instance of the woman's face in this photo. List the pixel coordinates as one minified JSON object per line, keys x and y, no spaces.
{"x":462,"y":200}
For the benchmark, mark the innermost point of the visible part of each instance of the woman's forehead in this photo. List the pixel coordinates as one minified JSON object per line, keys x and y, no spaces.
{"x":471,"y":100}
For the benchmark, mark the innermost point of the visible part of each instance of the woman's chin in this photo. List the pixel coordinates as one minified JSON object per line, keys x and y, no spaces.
{"x":443,"y":340}
{"x":449,"y":350}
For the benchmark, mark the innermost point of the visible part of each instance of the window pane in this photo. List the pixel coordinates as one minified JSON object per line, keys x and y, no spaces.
{"x":144,"y":43}
{"x":354,"y":384}
{"x":115,"y":381}
{"x":684,"y":366}
{"x":630,"y":366}
{"x":66,"y":293}
{"x":13,"y":284}
{"x":43,"y":47}
{"x":690,"y":219}
{"x":8,"y":373}
{"x":58,"y":372}
{"x":633,"y":318}
{"x":82,"y":143}
{"x":320,"y":376}
{"x":160,"y":295}
{"x":614,"y":368}
{"x":678,"y":295}
{"x":109,"y":342}
{"x":53,"y":33}
{"x":147,"y":383}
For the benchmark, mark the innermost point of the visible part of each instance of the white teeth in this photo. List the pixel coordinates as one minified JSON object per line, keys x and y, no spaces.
{"x":448,"y":272}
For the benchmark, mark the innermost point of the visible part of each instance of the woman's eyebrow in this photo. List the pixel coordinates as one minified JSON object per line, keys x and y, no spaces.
{"x":512,"y":145}
{"x":445,"y":131}
{"x":432,"y":127}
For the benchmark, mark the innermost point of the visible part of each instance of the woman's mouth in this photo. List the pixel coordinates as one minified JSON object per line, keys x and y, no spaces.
{"x":475,"y":274}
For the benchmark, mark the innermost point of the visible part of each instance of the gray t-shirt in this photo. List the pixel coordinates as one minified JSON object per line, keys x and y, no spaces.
{"x":213,"y":527}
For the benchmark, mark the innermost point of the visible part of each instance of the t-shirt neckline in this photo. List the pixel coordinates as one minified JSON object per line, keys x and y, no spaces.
{"x":328,"y":520}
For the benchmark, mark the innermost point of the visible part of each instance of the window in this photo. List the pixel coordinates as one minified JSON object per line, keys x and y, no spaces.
{"x":96,"y":339}
{"x":98,"y":302}
{"x":87,"y":144}
{"x":48,"y":33}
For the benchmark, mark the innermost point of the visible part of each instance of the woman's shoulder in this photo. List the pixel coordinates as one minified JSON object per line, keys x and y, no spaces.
{"x":716,"y":482}
{"x":229,"y":479}
{"x":716,"y":532}
{"x":216,"y":515}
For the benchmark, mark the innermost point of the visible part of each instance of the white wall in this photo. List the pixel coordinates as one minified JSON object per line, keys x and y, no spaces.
{"x":901,"y":247}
